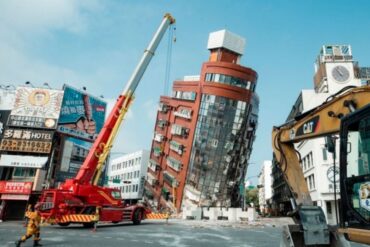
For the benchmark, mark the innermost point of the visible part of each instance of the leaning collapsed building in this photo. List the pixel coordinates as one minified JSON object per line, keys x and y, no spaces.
{"x":204,"y":133}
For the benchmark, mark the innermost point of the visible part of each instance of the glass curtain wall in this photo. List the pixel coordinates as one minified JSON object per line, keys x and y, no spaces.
{"x":219,"y":155}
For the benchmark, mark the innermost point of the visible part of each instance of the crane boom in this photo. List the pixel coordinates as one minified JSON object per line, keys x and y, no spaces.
{"x":91,"y":168}
{"x":77,"y":200}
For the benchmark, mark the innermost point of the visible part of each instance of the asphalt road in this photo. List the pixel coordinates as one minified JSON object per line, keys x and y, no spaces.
{"x":149,"y":233}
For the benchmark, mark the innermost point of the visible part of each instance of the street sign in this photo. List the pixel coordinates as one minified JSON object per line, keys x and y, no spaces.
{"x":116,"y":180}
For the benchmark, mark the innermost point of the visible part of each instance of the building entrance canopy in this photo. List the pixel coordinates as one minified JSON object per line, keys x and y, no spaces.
{"x":23,"y":161}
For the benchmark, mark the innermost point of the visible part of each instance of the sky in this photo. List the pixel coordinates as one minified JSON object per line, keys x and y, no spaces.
{"x":97,"y":44}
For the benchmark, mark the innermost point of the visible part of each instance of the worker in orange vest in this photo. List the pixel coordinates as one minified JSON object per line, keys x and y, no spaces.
{"x":33,"y":228}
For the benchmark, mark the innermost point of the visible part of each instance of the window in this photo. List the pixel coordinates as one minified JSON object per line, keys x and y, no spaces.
{"x":24,"y":172}
{"x":173,"y":163}
{"x":176,"y":129}
{"x":162,"y":123}
{"x":163,"y":107}
{"x":184,"y":95}
{"x":158,"y":137}
{"x":184,"y":113}
{"x":230,"y":80}
{"x":324,"y":154}
{"x":329,"y":50}
{"x":19,"y":172}
{"x":157,"y":151}
{"x":328,"y":207}
{"x":167,"y":177}
{"x":311,"y":182}
{"x":177,"y":147}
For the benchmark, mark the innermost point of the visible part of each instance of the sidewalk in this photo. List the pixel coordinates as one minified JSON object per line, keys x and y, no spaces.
{"x":259,"y":223}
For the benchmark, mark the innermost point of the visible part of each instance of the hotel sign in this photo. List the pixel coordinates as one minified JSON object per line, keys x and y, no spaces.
{"x":7,"y":187}
{"x":36,"y":108}
{"x":23,"y":140}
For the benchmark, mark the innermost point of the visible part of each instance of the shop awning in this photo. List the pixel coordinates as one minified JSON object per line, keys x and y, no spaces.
{"x":23,"y":161}
{"x":15,"y":197}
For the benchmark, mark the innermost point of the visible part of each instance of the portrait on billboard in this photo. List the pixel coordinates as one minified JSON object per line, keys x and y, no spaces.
{"x":36,"y":108}
{"x":82,"y":115}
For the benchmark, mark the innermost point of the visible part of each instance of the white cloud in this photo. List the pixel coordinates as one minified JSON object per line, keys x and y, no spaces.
{"x":26,"y":23}
{"x":35,"y":16}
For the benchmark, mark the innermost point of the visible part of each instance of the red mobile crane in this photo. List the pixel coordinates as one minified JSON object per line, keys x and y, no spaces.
{"x":77,"y":199}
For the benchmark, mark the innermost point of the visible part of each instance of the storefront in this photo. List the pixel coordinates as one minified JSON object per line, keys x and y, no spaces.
{"x":14,"y":198}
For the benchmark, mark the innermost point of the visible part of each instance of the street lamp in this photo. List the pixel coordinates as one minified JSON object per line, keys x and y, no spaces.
{"x":29,"y":84}
{"x":47,"y":85}
{"x":7,"y":87}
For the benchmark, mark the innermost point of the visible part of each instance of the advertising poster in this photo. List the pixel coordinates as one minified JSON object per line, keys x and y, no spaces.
{"x":364,"y":193}
{"x":81,"y":115}
{"x":27,"y":140}
{"x":36,"y":108}
{"x":74,"y":154}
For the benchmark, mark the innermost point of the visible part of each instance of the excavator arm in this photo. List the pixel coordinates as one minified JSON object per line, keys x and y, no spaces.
{"x":321,"y":121}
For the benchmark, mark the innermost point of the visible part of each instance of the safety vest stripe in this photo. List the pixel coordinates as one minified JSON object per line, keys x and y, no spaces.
{"x":157,"y":216}
{"x":76,"y":218}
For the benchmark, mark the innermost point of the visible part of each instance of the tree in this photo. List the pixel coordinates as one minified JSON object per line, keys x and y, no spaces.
{"x":251,"y":196}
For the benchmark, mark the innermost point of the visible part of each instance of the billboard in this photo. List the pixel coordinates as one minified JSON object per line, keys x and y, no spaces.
{"x":74,"y":154}
{"x":81,"y":115}
{"x":26,"y":140}
{"x":36,"y":108}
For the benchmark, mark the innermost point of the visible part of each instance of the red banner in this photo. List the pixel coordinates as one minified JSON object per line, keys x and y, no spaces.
{"x":9,"y":187}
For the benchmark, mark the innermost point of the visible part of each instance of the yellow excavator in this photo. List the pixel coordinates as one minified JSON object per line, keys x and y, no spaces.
{"x":347,"y":114}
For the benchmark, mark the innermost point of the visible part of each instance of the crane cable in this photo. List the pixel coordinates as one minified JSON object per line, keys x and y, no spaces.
{"x":171,"y":40}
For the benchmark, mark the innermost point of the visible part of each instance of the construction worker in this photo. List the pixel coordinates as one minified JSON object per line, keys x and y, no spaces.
{"x":33,"y":228}
{"x":27,"y":213}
